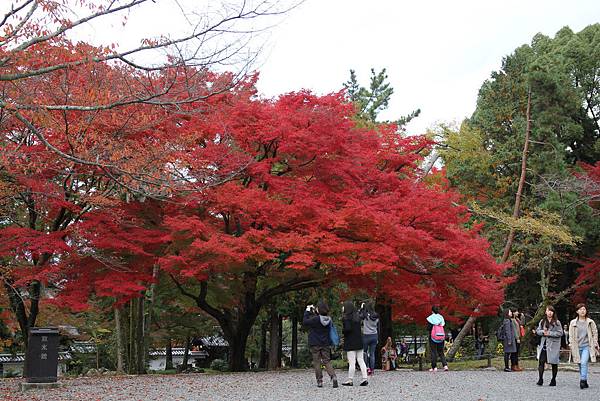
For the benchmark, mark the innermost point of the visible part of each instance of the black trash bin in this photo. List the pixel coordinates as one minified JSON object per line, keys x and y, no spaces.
{"x":41,"y":360}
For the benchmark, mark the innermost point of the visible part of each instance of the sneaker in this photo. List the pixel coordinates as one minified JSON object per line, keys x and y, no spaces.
{"x":553,"y":382}
{"x":369,"y":372}
{"x":335,"y":383}
{"x":364,"y":383}
{"x":348,"y":383}
{"x":319,"y":384}
{"x":446,"y":368}
{"x":507,"y":370}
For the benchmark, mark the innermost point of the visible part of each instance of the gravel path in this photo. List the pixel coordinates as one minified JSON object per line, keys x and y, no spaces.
{"x":300,"y":385}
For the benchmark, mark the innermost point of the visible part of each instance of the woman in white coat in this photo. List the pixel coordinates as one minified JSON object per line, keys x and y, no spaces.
{"x":583,"y":341}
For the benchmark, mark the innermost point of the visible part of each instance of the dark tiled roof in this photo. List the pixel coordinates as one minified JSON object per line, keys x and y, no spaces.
{"x":83,"y":347}
{"x":214,"y":341}
{"x":177,"y":352}
{"x":163,"y":351}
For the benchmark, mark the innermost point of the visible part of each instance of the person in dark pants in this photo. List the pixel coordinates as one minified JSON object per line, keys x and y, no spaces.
{"x":319,"y":323}
{"x":370,"y":331}
{"x":516,"y":320}
{"x":506,"y":333}
{"x":550,"y":331}
{"x":437,"y":347}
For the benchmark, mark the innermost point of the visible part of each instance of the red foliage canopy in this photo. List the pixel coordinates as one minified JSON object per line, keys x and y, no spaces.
{"x":589,"y":273}
{"x":287,"y":189}
{"x":319,"y":199}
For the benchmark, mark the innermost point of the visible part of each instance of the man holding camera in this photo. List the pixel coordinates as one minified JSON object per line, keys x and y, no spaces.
{"x":319,"y":324}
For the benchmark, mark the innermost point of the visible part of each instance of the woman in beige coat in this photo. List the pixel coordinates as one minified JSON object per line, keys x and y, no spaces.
{"x":583,"y":341}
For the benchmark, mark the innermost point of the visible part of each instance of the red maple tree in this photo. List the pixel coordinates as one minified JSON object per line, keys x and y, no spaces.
{"x":588,"y":277}
{"x":57,"y":164}
{"x":318,"y":201}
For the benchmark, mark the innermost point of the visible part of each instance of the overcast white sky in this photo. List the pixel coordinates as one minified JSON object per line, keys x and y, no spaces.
{"x":437,"y":53}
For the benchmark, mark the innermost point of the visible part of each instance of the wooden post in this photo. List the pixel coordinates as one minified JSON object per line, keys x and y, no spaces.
{"x":119,"y":334}
{"x":294,"y":356}
{"x":274,"y":339}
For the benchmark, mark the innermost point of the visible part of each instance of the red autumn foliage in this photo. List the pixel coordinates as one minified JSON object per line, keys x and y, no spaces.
{"x":588,"y":277}
{"x":93,"y":158}
{"x":259,"y":197}
{"x":322,"y":199}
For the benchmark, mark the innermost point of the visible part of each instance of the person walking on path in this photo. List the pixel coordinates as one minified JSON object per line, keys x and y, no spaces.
{"x":353,"y":343}
{"x":389,"y":355}
{"x":319,"y":323}
{"x":404,"y":351}
{"x":514,"y":362}
{"x":436,"y":334}
{"x":506,"y":333}
{"x":583,"y":335}
{"x":370,"y":333}
{"x":550,"y":332}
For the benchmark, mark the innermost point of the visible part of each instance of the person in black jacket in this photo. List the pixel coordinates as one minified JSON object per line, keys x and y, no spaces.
{"x":319,"y":323}
{"x":353,"y":343}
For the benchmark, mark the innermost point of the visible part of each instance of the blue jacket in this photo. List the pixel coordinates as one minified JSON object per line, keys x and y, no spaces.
{"x":318,"y":329}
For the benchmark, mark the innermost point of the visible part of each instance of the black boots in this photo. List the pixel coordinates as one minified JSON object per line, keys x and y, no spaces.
{"x":540,"y":382}
{"x":335,"y":383}
{"x":583,"y":384}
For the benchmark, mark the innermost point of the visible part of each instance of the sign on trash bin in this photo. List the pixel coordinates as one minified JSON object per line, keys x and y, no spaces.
{"x":41,"y":360}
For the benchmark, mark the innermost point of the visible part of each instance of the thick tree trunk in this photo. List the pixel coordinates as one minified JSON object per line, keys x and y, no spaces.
{"x":130,"y":342}
{"x":169,"y":355}
{"x":139,"y":340}
{"x":237,"y":322}
{"x":150,"y":312}
{"x":237,"y":340}
{"x":386,"y":329}
{"x":461,"y":335}
{"x":294,"y":352}
{"x":262,"y":361}
{"x":511,"y":235}
{"x":119,"y":334}
{"x":186,"y":353}
{"x":274,"y":339}
{"x":136,"y":351}
{"x":26,"y":319}
{"x":280,"y":344}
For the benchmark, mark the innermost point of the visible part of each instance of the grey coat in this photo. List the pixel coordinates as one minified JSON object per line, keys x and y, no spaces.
{"x":509,"y":342}
{"x":551,"y":341}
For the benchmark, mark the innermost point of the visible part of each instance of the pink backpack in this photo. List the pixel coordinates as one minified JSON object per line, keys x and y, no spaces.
{"x":437,"y":333}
